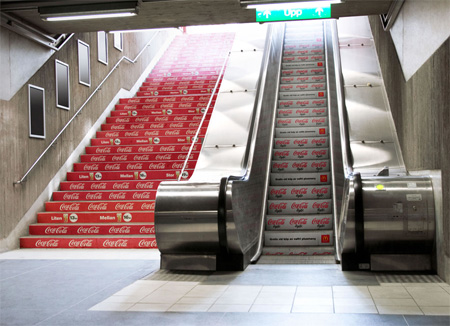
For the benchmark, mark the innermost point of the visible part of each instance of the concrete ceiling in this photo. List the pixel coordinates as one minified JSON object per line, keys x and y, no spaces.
{"x":168,"y":13}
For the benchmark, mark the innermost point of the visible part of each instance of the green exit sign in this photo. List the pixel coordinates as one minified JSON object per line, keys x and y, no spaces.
{"x":270,"y":15}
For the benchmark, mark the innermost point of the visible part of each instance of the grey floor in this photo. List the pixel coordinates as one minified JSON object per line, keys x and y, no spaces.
{"x":61,"y":292}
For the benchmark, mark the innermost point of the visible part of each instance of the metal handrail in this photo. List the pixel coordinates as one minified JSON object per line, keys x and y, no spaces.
{"x":195,"y":138}
{"x":82,"y":106}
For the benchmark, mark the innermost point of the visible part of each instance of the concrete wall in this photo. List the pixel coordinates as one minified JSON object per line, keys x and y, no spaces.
{"x":421,"y":110}
{"x":18,"y":151}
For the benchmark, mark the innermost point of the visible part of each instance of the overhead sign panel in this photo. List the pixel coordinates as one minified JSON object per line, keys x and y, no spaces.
{"x":273,"y":15}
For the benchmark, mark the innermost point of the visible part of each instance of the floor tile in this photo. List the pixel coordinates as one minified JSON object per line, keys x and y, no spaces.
{"x":396,"y":302}
{"x":314,"y":291}
{"x":274,"y":298}
{"x":195,"y":300}
{"x":207,"y":291}
{"x":432,"y":299}
{"x":112,"y":306}
{"x":360,"y":309}
{"x":399,"y":310}
{"x":133,"y":298}
{"x":352,"y":301}
{"x":379,"y":292}
{"x":161,"y":297}
{"x":436,"y":311}
{"x":285,"y":290}
{"x":150,"y":307}
{"x":179,"y":307}
{"x":351,"y":292}
{"x":271,"y":308}
{"x":229,"y":308}
{"x":313,"y":301}
{"x":232,"y":299}
{"x":319,"y":309}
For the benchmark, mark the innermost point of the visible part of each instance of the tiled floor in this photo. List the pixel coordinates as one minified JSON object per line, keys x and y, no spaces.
{"x":126,"y":287}
{"x":178,"y":296}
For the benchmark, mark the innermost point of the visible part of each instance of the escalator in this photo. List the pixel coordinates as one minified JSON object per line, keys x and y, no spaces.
{"x":289,"y":167}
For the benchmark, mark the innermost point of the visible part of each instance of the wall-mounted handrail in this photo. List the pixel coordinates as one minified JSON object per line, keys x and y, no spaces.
{"x":123,"y":58}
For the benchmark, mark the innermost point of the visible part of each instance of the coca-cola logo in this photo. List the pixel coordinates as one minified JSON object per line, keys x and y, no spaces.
{"x":90,"y":167}
{"x":318,"y":120}
{"x":145,"y":185}
{"x":317,"y":141}
{"x":277,"y":207}
{"x":141,"y":195}
{"x":77,"y":186}
{"x":100,"y":158}
{"x":300,"y":165}
{"x":71,"y":196}
{"x":139,"y":126}
{"x":301,"y":153}
{"x":283,"y":143}
{"x":302,"y":121}
{"x":145,"y":149}
{"x":147,"y":230}
{"x":118,"y":127}
{"x":319,"y":206}
{"x":157,"y":166}
{"x":298,"y":222}
{"x":121,"y":185}
{"x":94,"y":196}
{"x":56,"y":230}
{"x":112,"y":167}
{"x":321,"y":221}
{"x":319,"y":152}
{"x":302,"y":112}
{"x":120,"y":243}
{"x":117,"y":196}
{"x":320,"y":191}
{"x":124,"y":206}
{"x":281,"y":154}
{"x":299,"y":207}
{"x":47,"y":243}
{"x":148,"y":206}
{"x":299,"y":192}
{"x":134,"y":166}
{"x":88,"y":230}
{"x":319,"y":165}
{"x":131,"y":134}
{"x":278,"y":192}
{"x":303,"y":141}
{"x":147,"y":244}
{"x":124,"y":149}
{"x":120,"y":230}
{"x":167,"y":148}
{"x":85,"y":243}
{"x":97,"y":207}
{"x":280,"y":166}
{"x":275,"y":222}
{"x":69,"y":207}
{"x":284,"y":121}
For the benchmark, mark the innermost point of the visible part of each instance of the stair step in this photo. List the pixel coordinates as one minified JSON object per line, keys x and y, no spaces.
{"x":301,"y":132}
{"x":137,"y":149}
{"x":144,"y":140}
{"x":293,"y":179}
{"x":298,"y":238}
{"x":104,"y":195}
{"x":170,"y":116}
{"x":302,"y":112}
{"x":302,"y":71}
{"x":303,"y":87}
{"x":151,"y":133}
{"x":155,"y":108}
{"x":137,"y":157}
{"x":86,"y":242}
{"x":92,"y":229}
{"x":305,"y":103}
{"x":128,"y":175}
{"x":301,"y":45}
{"x":176,"y":92}
{"x":134,"y":166}
{"x":164,"y":79}
{"x":96,"y":217}
{"x":299,"y":192}
{"x":293,"y":80}
{"x":300,"y":166}
{"x":109,"y":185}
{"x":304,"y":58}
{"x":302,"y":65}
{"x":305,"y":142}
{"x":297,"y":222}
{"x":167,"y":99}
{"x":99,"y":206}
{"x":301,"y":122}
{"x":317,"y":51}
{"x":181,"y":83}
{"x":298,"y":206}
{"x":152,"y":125}
{"x":302,"y":251}
{"x":299,"y":95}
{"x":304,"y":153}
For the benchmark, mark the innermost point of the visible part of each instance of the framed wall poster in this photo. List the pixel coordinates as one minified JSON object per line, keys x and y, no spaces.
{"x":36,"y":111}
{"x":84,"y":66}
{"x":102,"y":43}
{"x":62,"y":85}
{"x":118,"y":41}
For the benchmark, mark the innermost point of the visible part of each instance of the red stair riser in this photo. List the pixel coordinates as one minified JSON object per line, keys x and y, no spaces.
{"x":106,"y":206}
{"x":301,"y":142}
{"x":109,"y":185}
{"x":181,"y":92}
{"x":301,"y":166}
{"x":96,"y":217}
{"x":180,"y":78}
{"x":134,"y":166}
{"x":303,"y":79}
{"x":74,"y":229}
{"x":103,"y":195}
{"x":154,"y":125}
{"x":142,"y":140}
{"x":103,"y":242}
{"x":302,"y":87}
{"x":151,"y":133}
{"x":137,"y":157}
{"x":302,"y":72}
{"x":294,"y":104}
{"x":167,"y":99}
{"x":185,"y":116}
{"x":211,"y":70}
{"x":211,"y":82}
{"x":302,"y":112}
{"x":210,"y":74}
{"x":290,"y":207}
{"x":141,"y":149}
{"x":125,"y":175}
{"x":176,"y":87}
{"x":304,"y":153}
{"x":303,"y":52}
{"x":302,"y":58}
{"x":295,"y":192}
{"x":156,"y":108}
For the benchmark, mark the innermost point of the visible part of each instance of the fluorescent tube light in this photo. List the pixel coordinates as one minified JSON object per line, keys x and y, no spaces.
{"x":92,"y":16}
{"x":290,"y":5}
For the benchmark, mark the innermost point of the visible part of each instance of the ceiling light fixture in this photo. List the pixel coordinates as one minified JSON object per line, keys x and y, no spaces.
{"x":89,"y":11}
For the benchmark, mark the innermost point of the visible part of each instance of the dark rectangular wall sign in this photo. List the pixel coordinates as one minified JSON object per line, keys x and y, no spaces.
{"x":62,"y":85}
{"x":84,"y":67}
{"x":36,"y":111}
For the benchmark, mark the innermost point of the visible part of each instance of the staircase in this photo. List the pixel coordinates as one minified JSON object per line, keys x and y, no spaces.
{"x":299,"y":220}
{"x":108,"y":199}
